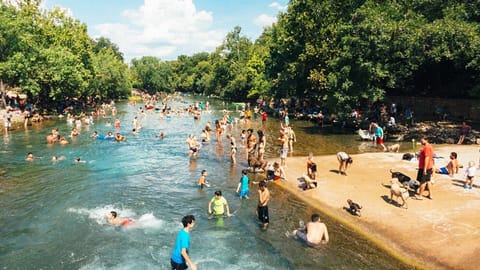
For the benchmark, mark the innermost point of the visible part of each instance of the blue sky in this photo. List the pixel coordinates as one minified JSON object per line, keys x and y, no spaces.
{"x":168,"y":28}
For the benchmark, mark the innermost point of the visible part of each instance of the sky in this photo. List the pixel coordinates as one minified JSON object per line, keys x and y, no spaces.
{"x":169,"y":28}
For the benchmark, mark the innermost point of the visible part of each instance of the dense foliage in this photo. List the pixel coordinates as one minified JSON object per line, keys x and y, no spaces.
{"x":52,"y":59}
{"x":337,"y":54}
{"x":341,"y":54}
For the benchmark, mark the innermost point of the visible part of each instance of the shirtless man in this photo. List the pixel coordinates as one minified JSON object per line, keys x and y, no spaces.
{"x":452,"y":166}
{"x":315,"y":233}
{"x":114,"y":220}
{"x":263,"y":198}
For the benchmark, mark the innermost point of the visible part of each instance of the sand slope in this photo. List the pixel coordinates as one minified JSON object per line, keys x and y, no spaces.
{"x":443,"y":233}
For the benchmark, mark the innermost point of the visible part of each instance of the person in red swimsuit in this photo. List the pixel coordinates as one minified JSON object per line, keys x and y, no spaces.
{"x":114,"y":220}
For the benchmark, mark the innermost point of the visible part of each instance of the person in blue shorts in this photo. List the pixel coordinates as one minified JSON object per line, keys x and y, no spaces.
{"x":180,"y":257}
{"x":242,"y":188}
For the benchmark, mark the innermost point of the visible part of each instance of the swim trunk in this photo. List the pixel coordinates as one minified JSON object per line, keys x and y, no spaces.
{"x":126,"y":222}
{"x":283,"y":153}
{"x":379,"y":140}
{"x":178,"y":266}
{"x":263,"y":214}
{"x":244,"y":193}
{"x":424,"y":178}
{"x":194,"y":149}
{"x":302,"y":235}
{"x":443,"y":170}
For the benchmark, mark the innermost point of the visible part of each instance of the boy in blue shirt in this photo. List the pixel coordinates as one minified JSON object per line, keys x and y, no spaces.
{"x":180,"y":257}
{"x":242,"y":188}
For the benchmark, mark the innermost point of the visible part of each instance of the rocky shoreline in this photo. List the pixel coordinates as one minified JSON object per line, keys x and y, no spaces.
{"x":437,"y":132}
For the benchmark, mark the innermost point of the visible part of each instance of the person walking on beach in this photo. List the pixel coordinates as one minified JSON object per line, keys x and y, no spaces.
{"x":425,"y":168}
{"x":315,"y":233}
{"x":180,"y":255}
{"x":469,"y":175}
{"x":219,"y":205}
{"x":242,"y":188}
{"x":344,"y":160}
{"x":263,"y":198}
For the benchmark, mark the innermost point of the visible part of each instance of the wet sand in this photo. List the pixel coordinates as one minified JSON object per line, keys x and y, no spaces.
{"x":442,"y":233}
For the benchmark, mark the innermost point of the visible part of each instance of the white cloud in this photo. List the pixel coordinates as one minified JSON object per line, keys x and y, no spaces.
{"x":277,"y":6}
{"x":265,"y":20}
{"x":163,"y":28}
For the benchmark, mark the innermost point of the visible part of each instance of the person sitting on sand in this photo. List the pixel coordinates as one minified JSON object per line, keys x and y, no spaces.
{"x":314,"y":234}
{"x":278,"y":172}
{"x":254,"y":163}
{"x":113,"y":219}
{"x":344,"y":159}
{"x":452,"y":166}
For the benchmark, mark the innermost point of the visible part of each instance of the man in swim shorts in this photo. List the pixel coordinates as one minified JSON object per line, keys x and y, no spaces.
{"x":113,"y":219}
{"x":263,"y":198}
{"x":315,"y":233}
{"x":452,"y":166}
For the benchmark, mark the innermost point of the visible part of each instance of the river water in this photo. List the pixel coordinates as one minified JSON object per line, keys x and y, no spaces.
{"x":53,"y":214}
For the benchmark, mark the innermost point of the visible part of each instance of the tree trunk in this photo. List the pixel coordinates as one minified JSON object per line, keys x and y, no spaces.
{"x":2,"y":93}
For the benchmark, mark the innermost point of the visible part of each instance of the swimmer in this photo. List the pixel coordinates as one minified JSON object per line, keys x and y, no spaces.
{"x":29,"y":157}
{"x":55,"y":158}
{"x":114,"y":220}
{"x":77,"y":160}
{"x":95,"y":134}
{"x":161,"y":135}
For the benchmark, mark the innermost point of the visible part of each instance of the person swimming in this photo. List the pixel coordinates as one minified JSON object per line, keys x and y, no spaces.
{"x":113,"y":219}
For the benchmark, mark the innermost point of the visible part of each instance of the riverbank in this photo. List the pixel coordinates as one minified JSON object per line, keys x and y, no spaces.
{"x":442,"y":233}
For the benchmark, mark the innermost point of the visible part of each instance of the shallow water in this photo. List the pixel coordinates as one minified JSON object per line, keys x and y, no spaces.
{"x":53,"y":214}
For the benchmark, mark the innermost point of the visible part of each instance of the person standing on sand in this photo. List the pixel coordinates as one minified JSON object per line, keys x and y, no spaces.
{"x":469,"y":175}
{"x":180,"y":257}
{"x":343,"y":159}
{"x":425,"y":168}
{"x":263,"y":198}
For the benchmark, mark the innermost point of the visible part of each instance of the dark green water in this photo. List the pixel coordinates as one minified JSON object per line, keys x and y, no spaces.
{"x":52,"y":214}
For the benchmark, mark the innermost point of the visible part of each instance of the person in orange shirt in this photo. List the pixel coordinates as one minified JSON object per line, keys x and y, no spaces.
{"x":425,"y":168}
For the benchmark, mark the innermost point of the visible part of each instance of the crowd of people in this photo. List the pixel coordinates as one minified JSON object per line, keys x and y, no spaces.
{"x":253,"y":145}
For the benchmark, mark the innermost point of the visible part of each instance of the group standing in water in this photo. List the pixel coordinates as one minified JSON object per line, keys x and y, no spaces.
{"x":251,"y":145}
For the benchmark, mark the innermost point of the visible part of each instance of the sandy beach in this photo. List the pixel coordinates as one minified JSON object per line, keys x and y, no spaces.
{"x":442,"y":233}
